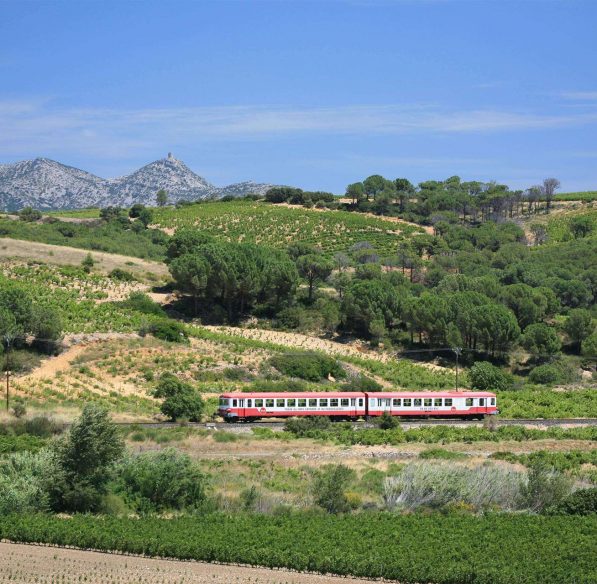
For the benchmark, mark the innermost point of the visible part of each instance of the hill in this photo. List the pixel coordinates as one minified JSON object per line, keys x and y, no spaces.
{"x":48,"y":185}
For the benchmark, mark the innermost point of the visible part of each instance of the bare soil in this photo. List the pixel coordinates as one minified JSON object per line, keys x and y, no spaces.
{"x":23,"y":564}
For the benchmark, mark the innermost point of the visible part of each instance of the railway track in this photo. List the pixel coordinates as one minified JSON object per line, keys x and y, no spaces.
{"x":246,"y":427}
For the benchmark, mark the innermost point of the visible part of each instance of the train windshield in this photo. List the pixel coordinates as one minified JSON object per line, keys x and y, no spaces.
{"x":223,"y":401}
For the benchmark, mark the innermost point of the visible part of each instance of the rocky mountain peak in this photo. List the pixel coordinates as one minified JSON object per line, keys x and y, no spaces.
{"x":46,"y":184}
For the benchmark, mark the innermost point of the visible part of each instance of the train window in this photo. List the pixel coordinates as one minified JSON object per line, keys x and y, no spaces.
{"x":234,"y":403}
{"x":269,"y":403}
{"x":360,"y":402}
{"x":333,"y":403}
{"x":427,"y":402}
{"x":482,"y":401}
{"x":223,"y":401}
{"x":492,"y":401}
{"x":279,"y":403}
{"x":312,"y":403}
{"x":323,"y":403}
{"x":406,"y":402}
{"x":396,"y":402}
{"x":249,"y":402}
{"x":302,"y":403}
{"x":437,"y":402}
{"x":372,"y":402}
{"x":344,"y":402}
{"x":448,"y":401}
{"x":469,"y":401}
{"x":418,"y":402}
{"x":258,"y":403}
{"x":290,"y":403}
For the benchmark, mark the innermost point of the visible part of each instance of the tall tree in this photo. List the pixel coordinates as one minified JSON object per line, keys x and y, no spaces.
{"x":161,"y":198}
{"x":314,"y":268}
{"x":549,"y":188}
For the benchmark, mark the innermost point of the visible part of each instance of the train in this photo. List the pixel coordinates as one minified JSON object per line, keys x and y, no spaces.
{"x":350,"y":406}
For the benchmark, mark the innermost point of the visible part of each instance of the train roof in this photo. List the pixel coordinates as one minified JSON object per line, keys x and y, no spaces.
{"x":382,"y":394}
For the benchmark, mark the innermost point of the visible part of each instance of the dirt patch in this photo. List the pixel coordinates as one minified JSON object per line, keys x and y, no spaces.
{"x":21,"y":563}
{"x":71,"y":256}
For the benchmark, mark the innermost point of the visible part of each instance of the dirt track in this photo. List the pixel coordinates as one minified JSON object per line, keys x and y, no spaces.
{"x":44,"y":565}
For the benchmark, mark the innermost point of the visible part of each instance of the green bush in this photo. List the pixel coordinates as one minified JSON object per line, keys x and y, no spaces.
{"x":487,"y":377}
{"x":310,"y":366}
{"x":142,"y":303}
{"x":162,"y":480}
{"x":545,"y":487}
{"x":181,"y":400}
{"x":122,"y":275}
{"x":362,"y":383}
{"x":581,"y":502}
{"x":560,"y":371}
{"x":329,"y":488}
{"x":387,"y":422}
{"x":169,"y":330}
{"x":301,"y":426}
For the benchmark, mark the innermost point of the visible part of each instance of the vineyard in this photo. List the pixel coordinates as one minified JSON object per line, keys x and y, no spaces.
{"x":579,"y":196}
{"x":278,"y":226}
{"x":491,"y":549}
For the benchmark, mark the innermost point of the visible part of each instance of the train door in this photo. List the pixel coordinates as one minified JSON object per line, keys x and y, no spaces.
{"x":385,"y":405}
{"x":483,"y":405}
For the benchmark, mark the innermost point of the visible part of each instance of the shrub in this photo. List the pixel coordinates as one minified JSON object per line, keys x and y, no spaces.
{"x":310,"y":366}
{"x":181,"y":400}
{"x":544,"y":488}
{"x":166,"y":479}
{"x":122,"y":275}
{"x":142,"y":303}
{"x":303,"y":425}
{"x":560,"y":371}
{"x":387,"y":422}
{"x":438,"y":484}
{"x":485,"y":376}
{"x":88,"y":263}
{"x":19,"y":409}
{"x":581,"y":502}
{"x":169,"y":330}
{"x":441,"y":453}
{"x":22,"y":482}
{"x":362,"y":383}
{"x":29,"y":214}
{"x":329,"y":488}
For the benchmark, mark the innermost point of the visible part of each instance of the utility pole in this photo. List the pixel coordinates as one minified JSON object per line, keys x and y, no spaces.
{"x":457,"y":351}
{"x":7,"y":364}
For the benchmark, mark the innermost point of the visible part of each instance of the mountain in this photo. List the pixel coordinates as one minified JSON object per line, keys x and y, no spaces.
{"x":46,"y":184}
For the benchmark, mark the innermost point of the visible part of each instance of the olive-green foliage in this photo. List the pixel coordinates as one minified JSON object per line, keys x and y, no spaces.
{"x":84,"y":461}
{"x":545,"y":487}
{"x":300,"y":426}
{"x":361,"y":383}
{"x":485,"y":376}
{"x":329,"y":488}
{"x":387,"y":422}
{"x":310,"y":366}
{"x":541,"y":340}
{"x":498,"y":548}
{"x":161,"y":480}
{"x":181,"y":400}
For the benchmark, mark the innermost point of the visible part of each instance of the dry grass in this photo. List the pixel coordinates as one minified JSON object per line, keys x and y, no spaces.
{"x":71,"y":256}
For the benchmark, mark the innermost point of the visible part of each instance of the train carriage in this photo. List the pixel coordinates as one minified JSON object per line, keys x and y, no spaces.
{"x":237,"y":407}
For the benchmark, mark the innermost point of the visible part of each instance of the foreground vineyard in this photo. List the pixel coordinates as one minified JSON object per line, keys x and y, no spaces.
{"x":492,"y":549}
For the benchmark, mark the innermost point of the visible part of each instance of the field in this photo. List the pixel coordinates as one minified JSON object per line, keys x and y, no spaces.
{"x":579,"y":196}
{"x":279,"y":226}
{"x":494,"y":549}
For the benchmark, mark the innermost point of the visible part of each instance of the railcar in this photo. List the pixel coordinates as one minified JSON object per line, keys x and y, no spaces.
{"x":247,"y":407}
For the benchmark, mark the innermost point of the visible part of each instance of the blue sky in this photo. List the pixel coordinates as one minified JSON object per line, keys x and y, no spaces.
{"x":313,"y":94}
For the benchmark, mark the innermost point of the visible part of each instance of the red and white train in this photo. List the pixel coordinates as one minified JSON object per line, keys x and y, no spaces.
{"x":247,"y":407}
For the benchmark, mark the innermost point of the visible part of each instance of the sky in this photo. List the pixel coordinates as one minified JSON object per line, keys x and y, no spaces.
{"x":315,"y":94}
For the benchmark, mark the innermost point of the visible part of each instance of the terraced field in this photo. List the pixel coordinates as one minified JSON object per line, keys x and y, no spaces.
{"x":279,"y":226}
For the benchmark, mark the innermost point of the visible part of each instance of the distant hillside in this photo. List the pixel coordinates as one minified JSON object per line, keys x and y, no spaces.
{"x":48,"y":185}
